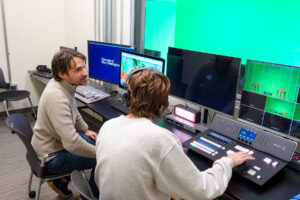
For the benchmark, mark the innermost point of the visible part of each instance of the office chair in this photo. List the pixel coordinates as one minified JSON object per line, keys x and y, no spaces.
{"x":19,"y":124}
{"x":81,"y":184}
{"x":12,"y":95}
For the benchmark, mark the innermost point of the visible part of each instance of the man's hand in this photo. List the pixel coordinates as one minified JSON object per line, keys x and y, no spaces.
{"x":240,"y":157}
{"x":91,"y":134}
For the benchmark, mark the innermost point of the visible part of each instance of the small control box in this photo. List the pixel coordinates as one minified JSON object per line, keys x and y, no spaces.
{"x":295,"y":163}
{"x":187,"y":113}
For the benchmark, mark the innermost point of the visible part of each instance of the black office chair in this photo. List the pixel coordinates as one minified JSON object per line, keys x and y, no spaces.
{"x":19,"y":124}
{"x":12,"y":95}
{"x":81,"y":184}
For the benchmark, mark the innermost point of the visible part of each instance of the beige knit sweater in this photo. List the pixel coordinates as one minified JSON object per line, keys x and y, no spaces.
{"x":58,"y":121}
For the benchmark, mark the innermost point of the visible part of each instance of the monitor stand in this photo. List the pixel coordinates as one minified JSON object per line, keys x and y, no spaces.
{"x":109,"y":88}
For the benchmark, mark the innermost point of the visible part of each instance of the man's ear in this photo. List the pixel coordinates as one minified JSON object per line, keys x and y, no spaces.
{"x":62,"y":75}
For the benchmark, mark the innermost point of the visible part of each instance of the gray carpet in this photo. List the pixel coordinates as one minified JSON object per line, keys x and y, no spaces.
{"x":14,"y":170}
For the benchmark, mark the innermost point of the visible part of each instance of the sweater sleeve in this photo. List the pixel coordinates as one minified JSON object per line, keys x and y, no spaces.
{"x":60,"y":115}
{"x":178,"y":176}
{"x":80,"y":124}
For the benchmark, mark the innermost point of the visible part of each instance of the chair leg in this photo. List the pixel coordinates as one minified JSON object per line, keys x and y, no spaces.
{"x":5,"y":106}
{"x":30,"y":192}
{"x":33,"y":112}
{"x":88,"y":185}
{"x":37,"y":197}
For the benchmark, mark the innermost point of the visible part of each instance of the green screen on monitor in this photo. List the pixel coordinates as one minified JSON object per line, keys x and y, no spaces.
{"x":271,"y":97}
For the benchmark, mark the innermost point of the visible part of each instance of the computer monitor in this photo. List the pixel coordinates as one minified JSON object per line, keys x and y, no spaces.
{"x":131,"y":61}
{"x":271,"y":97}
{"x":104,"y":61}
{"x":206,"y":79}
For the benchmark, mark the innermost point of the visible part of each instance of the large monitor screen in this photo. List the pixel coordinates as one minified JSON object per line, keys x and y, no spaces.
{"x":271,"y":98}
{"x":131,"y":61}
{"x":202,"y":78}
{"x":104,"y":61}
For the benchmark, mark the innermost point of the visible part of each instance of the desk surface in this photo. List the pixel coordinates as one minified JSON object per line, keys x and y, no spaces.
{"x":284,"y":185}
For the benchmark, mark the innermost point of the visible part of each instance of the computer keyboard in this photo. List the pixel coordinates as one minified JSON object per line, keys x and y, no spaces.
{"x":119,"y":106}
{"x":88,"y":94}
{"x":43,"y":74}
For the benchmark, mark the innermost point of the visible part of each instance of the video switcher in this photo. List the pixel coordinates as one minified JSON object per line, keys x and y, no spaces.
{"x":225,"y":136}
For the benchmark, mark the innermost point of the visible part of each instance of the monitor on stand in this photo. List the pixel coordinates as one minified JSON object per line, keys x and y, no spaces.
{"x":104,"y":61}
{"x":271,"y":98}
{"x":209,"y":80}
{"x":131,"y":61}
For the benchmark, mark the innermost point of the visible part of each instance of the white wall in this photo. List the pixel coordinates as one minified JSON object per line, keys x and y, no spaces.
{"x":3,"y":63}
{"x":79,"y":23}
{"x":36,"y":29}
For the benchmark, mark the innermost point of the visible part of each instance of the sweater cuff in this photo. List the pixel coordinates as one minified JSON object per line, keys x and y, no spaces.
{"x":228,"y":161}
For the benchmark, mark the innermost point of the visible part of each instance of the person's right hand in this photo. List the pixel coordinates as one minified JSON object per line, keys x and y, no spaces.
{"x":240,"y":157}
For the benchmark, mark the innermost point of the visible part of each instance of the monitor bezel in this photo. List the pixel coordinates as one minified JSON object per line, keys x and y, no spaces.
{"x":109,"y":44}
{"x":261,"y":126}
{"x":204,"y":106}
{"x":143,"y":55}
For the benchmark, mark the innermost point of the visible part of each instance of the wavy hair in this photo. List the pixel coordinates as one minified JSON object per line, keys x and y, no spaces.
{"x":149,"y":91}
{"x":61,"y":61}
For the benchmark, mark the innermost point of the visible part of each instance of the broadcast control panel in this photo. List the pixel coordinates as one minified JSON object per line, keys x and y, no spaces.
{"x":226,"y":136}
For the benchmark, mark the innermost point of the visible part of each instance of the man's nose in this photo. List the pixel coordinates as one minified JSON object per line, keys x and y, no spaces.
{"x":85,"y":72}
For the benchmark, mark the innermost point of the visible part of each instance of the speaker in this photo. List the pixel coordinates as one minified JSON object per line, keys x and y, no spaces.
{"x":126,"y":94}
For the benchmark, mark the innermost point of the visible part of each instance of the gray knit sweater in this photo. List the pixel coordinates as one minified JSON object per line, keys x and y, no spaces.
{"x":58,"y":121}
{"x":137,"y":159}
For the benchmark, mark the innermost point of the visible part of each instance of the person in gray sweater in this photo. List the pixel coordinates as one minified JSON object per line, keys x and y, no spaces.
{"x":59,"y":125}
{"x":137,"y":159}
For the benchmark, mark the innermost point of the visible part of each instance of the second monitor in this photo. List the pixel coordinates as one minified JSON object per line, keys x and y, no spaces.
{"x":131,"y":61}
{"x":104,"y":61}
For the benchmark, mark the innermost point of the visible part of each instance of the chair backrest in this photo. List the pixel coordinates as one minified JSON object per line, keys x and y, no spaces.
{"x":3,"y":83}
{"x":81,"y":184}
{"x":20,"y":125}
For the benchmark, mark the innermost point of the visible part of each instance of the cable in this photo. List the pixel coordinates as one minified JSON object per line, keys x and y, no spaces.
{"x":212,"y":116}
{"x":186,"y":104}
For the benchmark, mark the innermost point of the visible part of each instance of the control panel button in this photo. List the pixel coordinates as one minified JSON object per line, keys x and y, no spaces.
{"x":251,"y":172}
{"x":275,"y":163}
{"x":240,"y":148}
{"x":256,"y":168}
{"x":250,"y":152}
{"x":258,"y":177}
{"x":267,"y":160}
{"x":230,"y":152}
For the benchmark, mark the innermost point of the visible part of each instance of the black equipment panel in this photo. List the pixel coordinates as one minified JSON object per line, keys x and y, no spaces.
{"x":226,"y":136}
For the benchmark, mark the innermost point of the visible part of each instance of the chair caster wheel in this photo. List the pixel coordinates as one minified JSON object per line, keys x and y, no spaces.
{"x":31,"y":194}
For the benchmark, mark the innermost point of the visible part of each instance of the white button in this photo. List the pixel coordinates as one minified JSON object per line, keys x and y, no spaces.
{"x":267,"y":160}
{"x":256,"y":168}
{"x":223,"y":148}
{"x":251,"y":172}
{"x":250,"y":152}
{"x":275,"y":164}
{"x":258,"y":177}
{"x":240,"y":148}
{"x":230,"y":152}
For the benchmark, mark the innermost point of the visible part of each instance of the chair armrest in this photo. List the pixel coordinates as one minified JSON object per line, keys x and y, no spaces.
{"x":51,"y":155}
